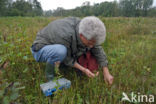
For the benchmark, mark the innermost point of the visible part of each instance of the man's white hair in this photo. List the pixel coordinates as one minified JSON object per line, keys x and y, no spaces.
{"x":93,"y":28}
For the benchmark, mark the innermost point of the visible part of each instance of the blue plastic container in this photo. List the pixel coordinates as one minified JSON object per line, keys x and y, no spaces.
{"x":52,"y":86}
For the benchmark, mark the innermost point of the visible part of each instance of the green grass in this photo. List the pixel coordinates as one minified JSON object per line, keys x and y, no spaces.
{"x":129,"y":47}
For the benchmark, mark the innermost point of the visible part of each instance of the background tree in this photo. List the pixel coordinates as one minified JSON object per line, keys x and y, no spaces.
{"x":59,"y":12}
{"x":3,"y":7}
{"x":48,"y":13}
{"x":146,"y":5}
{"x":127,"y":7}
{"x":20,"y":8}
{"x":108,"y":9}
{"x":152,"y":12}
{"x":135,"y":8}
{"x":37,"y":8}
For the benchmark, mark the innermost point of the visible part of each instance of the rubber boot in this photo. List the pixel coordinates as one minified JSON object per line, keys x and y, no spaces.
{"x":49,"y":71}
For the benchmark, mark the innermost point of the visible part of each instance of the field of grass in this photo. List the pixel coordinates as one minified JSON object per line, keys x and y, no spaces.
{"x":129,"y":47}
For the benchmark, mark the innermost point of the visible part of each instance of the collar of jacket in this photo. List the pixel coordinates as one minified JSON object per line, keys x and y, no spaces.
{"x":79,"y":42}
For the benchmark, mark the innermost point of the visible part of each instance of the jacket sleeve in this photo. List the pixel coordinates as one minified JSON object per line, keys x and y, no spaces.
{"x":100,"y":56}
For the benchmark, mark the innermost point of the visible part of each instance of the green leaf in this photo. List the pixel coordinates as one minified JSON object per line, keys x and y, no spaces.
{"x":20,"y":88}
{"x":14,"y":96}
{"x":19,"y":54}
{"x":11,"y":45}
{"x":1,"y":93}
{"x":6,"y":100}
{"x":25,"y":70}
{"x":25,"y":57}
{"x":16,"y":83}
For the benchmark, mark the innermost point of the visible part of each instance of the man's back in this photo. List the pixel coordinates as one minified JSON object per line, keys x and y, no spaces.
{"x":57,"y":32}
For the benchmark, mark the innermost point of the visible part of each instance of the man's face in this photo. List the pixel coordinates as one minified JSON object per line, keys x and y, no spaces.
{"x":88,"y":43}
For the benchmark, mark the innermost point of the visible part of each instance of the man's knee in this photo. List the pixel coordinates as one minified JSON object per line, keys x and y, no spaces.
{"x":61,"y":52}
{"x":52,"y":53}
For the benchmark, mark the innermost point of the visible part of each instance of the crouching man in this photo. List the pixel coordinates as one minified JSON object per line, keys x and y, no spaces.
{"x":65,"y":40}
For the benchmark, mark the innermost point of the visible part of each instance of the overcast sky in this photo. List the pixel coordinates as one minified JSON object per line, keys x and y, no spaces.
{"x":68,"y":4}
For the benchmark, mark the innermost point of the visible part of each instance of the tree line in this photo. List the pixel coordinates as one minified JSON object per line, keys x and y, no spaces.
{"x":127,"y":8}
{"x":20,"y":8}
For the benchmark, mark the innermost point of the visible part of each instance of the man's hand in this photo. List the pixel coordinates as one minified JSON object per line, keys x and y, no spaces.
{"x":89,"y":73}
{"x":85,"y":70}
{"x":107,"y":76}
